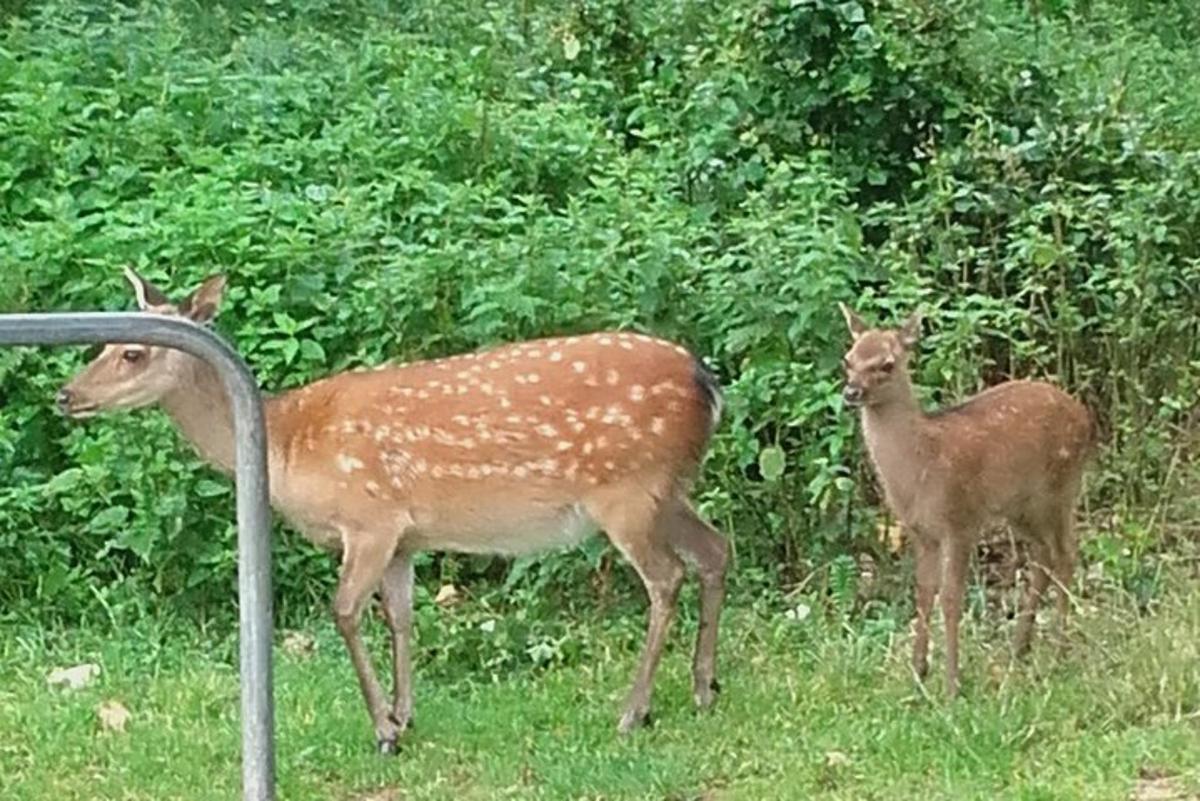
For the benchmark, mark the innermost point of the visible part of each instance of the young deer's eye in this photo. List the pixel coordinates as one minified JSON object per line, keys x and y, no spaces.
{"x":886,"y":367}
{"x":133,"y":356}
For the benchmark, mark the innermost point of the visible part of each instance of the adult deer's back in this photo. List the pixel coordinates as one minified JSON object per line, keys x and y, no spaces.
{"x":1013,"y":453}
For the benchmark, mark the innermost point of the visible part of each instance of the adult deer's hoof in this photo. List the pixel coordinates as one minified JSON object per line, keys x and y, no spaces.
{"x":705,"y":695}
{"x":634,"y":718}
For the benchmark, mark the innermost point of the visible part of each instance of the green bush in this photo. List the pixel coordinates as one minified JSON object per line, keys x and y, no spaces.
{"x":385,"y":181}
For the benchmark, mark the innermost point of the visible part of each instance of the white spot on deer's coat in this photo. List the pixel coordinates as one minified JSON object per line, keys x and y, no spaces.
{"x":604,"y":340}
{"x":612,"y":377}
{"x":578,"y":367}
{"x":658,"y":425}
{"x":555,"y":356}
{"x":637,"y":393}
{"x":348,"y":464}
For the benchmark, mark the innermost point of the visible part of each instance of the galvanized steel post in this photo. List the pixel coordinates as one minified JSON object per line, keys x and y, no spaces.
{"x":253,"y":509}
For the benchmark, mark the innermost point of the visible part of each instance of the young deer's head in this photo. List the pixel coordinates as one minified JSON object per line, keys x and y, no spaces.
{"x":877,"y":360}
{"x":132,"y":376}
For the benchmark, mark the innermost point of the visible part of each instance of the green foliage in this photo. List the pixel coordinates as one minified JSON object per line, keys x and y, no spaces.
{"x":388,"y":181}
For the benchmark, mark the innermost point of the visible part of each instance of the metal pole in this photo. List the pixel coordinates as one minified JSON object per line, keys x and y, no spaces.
{"x":253,"y":506}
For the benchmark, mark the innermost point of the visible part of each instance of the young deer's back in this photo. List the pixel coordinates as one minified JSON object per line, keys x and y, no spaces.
{"x":496,"y":451}
{"x":994,"y":456}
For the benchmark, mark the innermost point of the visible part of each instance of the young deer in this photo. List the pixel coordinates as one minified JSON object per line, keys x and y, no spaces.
{"x":1013,"y":453}
{"x":510,"y":450}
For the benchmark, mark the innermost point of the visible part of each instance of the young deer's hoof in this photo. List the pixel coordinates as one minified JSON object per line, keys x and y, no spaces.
{"x":404,"y":722}
{"x":387,"y":738}
{"x":632,"y":719}
{"x":705,"y":695}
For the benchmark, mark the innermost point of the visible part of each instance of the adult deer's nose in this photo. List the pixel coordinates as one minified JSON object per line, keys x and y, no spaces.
{"x":852,"y":395}
{"x":64,"y":398}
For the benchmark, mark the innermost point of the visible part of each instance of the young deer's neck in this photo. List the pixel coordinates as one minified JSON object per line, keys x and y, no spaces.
{"x":202,"y":413}
{"x":894,"y":431}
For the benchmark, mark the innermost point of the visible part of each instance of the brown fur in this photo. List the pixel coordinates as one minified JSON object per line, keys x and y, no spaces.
{"x":1014,"y":453}
{"x":514,"y":449}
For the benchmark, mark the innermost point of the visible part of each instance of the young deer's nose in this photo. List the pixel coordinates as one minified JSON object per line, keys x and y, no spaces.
{"x":852,"y":395}
{"x":64,"y":398}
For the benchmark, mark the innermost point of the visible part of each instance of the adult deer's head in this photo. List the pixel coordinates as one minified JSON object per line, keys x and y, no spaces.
{"x":128,"y":376}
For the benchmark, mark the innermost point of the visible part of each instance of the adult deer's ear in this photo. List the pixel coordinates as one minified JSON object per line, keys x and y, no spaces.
{"x":202,"y":305}
{"x":853,"y":321}
{"x":147,"y":294}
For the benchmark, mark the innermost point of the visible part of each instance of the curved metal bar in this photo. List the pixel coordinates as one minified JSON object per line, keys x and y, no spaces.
{"x":253,"y":506}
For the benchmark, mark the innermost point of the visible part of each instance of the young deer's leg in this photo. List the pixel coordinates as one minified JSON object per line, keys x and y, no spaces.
{"x":1041,"y":560}
{"x":927,"y":556}
{"x":698,"y":542}
{"x":956,"y":554}
{"x":396,"y":591}
{"x":632,"y":527}
{"x":364,"y":560}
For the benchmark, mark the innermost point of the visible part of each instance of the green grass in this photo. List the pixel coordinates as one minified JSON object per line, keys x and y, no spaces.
{"x":809,"y":709}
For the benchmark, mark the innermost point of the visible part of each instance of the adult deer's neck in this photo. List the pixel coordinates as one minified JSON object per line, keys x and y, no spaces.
{"x":202,"y":413}
{"x":894,"y":431}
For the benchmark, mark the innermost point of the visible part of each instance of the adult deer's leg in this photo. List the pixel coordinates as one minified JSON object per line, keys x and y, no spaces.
{"x":698,"y":542}
{"x":364,"y":560}
{"x":396,"y":591}
{"x":928,"y":567}
{"x":631,"y":525}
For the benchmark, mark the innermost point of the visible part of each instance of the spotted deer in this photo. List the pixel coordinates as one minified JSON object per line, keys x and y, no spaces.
{"x":510,"y":450}
{"x":1013,"y":453}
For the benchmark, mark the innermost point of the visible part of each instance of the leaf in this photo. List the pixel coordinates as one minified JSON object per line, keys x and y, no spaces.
{"x":312,"y":351}
{"x":571,"y":46}
{"x":73,"y":678}
{"x":207,"y":488}
{"x":771,"y":462}
{"x":290,"y":348}
{"x":111,"y":518}
{"x":113,"y":716}
{"x":299,"y":644}
{"x":447,"y":595}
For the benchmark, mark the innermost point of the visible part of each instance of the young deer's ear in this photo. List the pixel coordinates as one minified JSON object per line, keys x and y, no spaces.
{"x":147,"y":294}
{"x":853,"y":321}
{"x":201,"y":306}
{"x":910,"y":332}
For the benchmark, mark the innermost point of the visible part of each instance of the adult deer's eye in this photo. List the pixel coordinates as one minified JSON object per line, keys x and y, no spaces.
{"x":887,"y":366}
{"x":133,"y":356}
